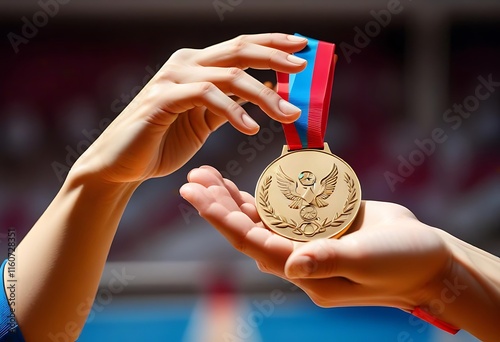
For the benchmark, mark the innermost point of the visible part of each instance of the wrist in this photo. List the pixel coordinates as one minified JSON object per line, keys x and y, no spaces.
{"x":466,"y":293}
{"x":93,"y":185}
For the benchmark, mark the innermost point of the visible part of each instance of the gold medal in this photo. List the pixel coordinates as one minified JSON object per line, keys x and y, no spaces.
{"x":308,"y":194}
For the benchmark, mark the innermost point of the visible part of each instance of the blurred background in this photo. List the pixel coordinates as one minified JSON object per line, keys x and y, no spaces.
{"x":406,"y":70}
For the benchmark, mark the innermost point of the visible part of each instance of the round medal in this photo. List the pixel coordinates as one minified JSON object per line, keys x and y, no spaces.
{"x":308,"y":194}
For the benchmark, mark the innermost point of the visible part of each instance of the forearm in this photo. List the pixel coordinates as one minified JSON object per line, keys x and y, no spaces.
{"x":468,"y":296}
{"x":60,"y":261}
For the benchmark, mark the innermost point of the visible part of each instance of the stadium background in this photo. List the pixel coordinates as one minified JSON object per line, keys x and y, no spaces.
{"x":83,"y":62}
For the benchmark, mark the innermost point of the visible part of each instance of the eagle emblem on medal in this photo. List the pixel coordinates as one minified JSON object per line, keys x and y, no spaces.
{"x":306,"y":194}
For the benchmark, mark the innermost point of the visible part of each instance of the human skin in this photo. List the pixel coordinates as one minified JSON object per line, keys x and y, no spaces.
{"x":387,"y":258}
{"x":61,"y":259}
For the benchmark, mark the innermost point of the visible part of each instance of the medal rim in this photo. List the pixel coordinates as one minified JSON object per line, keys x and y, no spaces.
{"x":325,"y":150}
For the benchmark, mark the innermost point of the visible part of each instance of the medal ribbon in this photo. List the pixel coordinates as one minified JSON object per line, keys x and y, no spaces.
{"x":310,"y":90}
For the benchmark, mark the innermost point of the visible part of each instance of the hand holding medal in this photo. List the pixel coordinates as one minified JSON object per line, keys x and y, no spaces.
{"x":308,"y":192}
{"x":389,"y":258}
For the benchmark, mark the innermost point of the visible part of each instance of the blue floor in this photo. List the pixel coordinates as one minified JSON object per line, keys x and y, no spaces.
{"x":296,"y":319}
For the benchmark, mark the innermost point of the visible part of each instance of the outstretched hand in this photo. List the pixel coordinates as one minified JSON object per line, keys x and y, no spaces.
{"x":193,"y":94}
{"x":387,"y":258}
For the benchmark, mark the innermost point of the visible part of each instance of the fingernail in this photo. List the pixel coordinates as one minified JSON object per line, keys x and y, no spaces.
{"x":287,"y":108}
{"x":295,"y":60}
{"x":295,"y":38}
{"x":189,"y":174}
{"x":248,"y":121}
{"x":184,"y":191}
{"x":303,"y":266}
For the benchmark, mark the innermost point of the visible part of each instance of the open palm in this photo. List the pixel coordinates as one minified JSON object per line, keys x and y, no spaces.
{"x":387,"y":258}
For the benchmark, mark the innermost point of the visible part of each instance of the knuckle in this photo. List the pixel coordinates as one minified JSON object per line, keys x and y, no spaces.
{"x":402,"y":211}
{"x":183,"y":54}
{"x":238,"y":45}
{"x":276,"y":55}
{"x":168,"y":72}
{"x":235,"y":72}
{"x":267,"y":92}
{"x":234,"y":108}
{"x":240,"y":39}
{"x":321,"y":303}
{"x":204,"y":88}
{"x":155,"y":88}
{"x":318,"y":299}
{"x":217,"y":191}
{"x":154,"y":91}
{"x":274,"y":36}
{"x":262,"y":267}
{"x":240,"y":245}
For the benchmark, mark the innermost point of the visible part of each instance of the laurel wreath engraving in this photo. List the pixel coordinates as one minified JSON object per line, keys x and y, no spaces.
{"x":283,"y":222}
{"x":280,"y":221}
{"x":348,"y":205}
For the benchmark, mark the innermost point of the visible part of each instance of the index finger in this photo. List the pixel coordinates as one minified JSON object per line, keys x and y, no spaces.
{"x":264,"y":51}
{"x":210,"y":195}
{"x":282,"y":41}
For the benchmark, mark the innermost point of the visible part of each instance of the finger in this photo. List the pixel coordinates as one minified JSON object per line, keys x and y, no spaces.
{"x":211,"y":179}
{"x":213,"y":185}
{"x":263,"y":52}
{"x":237,"y":82}
{"x":279,"y":272}
{"x":242,"y":101}
{"x":256,"y":242}
{"x":219,"y":208}
{"x":282,"y":41}
{"x":183,"y":97}
{"x":339,"y":291}
{"x":243,"y":200}
{"x":214,"y":202}
{"x":265,"y":247}
{"x":249,"y":207}
{"x":213,"y":176}
{"x":213,"y":121}
{"x":324,"y":258}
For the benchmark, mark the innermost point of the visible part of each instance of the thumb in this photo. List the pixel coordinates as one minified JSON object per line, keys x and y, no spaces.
{"x":323,"y":258}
